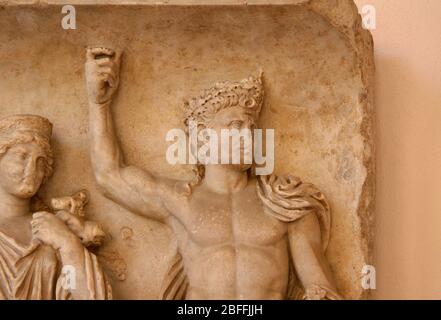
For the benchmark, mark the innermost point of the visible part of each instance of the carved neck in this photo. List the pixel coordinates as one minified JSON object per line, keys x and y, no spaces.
{"x":225,"y":179}
{"x":12,"y":206}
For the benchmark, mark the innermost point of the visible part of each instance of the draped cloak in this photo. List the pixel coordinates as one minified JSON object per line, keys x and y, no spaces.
{"x":288,"y":199}
{"x":34,"y":272}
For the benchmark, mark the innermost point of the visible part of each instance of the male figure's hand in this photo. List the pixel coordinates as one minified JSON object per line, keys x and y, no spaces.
{"x":102,"y":74}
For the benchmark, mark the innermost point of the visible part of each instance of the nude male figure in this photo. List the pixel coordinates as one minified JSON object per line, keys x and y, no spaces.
{"x":238,"y":235}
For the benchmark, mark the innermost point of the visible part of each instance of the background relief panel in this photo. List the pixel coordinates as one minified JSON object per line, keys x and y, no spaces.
{"x":317,"y":64}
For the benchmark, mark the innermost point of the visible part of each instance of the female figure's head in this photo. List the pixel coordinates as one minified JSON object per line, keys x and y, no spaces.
{"x":26,"y":158}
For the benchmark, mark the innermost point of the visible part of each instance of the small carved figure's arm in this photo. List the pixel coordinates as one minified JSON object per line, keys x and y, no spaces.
{"x":132,"y":187}
{"x":309,"y":259}
{"x":71,"y":209}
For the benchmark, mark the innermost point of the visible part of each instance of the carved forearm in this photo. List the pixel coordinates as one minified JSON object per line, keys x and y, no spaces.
{"x":84,"y":278}
{"x":309,"y":259}
{"x":102,"y":79}
{"x":72,"y":259}
{"x":129,"y":186}
{"x":105,"y":152}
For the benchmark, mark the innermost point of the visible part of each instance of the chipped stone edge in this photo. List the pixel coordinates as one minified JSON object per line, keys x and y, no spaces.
{"x":344,"y":16}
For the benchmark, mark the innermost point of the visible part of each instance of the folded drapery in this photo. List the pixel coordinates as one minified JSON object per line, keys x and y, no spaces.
{"x":34,"y":272}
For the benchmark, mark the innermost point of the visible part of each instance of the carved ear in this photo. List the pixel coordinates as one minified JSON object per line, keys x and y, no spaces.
{"x":184,"y":105}
{"x":260,"y":74}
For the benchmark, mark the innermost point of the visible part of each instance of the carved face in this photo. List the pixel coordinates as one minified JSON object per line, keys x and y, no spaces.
{"x":22,"y":170}
{"x":235,"y":118}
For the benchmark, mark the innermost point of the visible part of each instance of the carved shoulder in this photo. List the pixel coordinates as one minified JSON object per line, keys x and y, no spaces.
{"x":288,"y":199}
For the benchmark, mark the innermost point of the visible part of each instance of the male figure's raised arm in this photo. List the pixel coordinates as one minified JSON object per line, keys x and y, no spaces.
{"x":132,"y":187}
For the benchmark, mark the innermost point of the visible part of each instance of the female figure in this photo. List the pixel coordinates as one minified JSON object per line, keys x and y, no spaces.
{"x":40,"y":257}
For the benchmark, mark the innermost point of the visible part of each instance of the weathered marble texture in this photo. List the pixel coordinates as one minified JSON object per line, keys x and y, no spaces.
{"x":318,"y":65}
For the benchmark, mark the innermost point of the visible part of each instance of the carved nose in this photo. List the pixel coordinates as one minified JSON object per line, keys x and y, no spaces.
{"x":30,"y":170}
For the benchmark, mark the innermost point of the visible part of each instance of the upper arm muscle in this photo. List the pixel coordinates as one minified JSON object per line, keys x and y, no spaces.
{"x":138,"y":191}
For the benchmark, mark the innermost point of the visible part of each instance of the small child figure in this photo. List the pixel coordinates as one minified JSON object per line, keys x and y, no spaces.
{"x":71,"y":209}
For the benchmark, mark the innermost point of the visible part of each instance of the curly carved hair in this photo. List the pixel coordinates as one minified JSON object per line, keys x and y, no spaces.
{"x":247,"y":94}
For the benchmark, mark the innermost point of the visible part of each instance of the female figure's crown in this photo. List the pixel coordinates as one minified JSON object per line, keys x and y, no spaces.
{"x":26,"y":123}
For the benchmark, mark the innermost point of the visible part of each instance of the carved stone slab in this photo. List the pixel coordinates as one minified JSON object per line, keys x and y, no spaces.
{"x":318,"y":64}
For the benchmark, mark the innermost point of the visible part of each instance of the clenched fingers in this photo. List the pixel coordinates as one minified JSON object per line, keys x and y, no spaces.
{"x":92,"y":53}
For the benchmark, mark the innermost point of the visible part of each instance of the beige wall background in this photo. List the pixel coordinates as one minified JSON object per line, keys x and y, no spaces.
{"x":408,"y":104}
